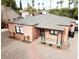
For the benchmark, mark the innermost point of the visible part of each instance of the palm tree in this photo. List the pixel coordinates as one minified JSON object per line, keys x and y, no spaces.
{"x":70,"y":2}
{"x":20,"y":5}
{"x":57,"y":4}
{"x":75,"y":3}
{"x":28,"y":4}
{"x":61,"y":2}
{"x":42,"y":5}
{"x":39,"y":5}
{"x":32,"y":3}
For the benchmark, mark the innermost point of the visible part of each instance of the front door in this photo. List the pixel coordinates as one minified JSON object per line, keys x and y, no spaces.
{"x":42,"y":33}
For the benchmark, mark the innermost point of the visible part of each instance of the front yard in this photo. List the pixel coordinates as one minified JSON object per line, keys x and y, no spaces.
{"x":13,"y":49}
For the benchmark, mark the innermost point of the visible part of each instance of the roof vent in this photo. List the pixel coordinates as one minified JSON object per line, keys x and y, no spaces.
{"x":8,"y":19}
{"x":14,"y":19}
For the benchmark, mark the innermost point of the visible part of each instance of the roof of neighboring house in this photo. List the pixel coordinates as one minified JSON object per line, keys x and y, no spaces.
{"x":46,"y":21}
{"x":8,"y":13}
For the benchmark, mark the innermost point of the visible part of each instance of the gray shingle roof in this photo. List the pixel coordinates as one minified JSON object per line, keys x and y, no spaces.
{"x":8,"y":13}
{"x":46,"y":21}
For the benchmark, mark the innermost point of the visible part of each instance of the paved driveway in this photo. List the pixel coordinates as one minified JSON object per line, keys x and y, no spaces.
{"x":13,"y":49}
{"x":3,"y":30}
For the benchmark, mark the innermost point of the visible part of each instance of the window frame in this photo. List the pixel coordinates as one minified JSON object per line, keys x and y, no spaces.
{"x":54,"y":32}
{"x":19,"y":32}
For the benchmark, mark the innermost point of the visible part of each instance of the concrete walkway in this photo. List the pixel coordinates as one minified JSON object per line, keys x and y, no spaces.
{"x":4,"y":30}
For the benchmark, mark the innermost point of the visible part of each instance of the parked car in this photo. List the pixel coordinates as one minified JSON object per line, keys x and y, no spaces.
{"x":76,"y":27}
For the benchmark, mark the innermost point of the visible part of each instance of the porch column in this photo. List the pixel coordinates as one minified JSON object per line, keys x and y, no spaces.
{"x":59,"y":39}
{"x":65,"y":37}
{"x":42,"y":35}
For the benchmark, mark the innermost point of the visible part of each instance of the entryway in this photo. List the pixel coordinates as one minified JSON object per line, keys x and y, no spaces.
{"x":42,"y":34}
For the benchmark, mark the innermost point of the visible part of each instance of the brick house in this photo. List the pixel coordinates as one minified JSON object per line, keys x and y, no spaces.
{"x":51,"y":28}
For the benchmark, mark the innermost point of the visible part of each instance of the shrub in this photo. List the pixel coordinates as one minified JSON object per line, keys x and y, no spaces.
{"x":59,"y":47}
{"x":43,"y":42}
{"x":50,"y":44}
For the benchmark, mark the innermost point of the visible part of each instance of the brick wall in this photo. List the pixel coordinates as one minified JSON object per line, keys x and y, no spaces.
{"x":30,"y":31}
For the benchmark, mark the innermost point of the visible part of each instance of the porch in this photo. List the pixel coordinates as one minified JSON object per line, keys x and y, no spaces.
{"x":51,"y":38}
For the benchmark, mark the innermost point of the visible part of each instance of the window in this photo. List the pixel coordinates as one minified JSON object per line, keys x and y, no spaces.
{"x":54,"y":32}
{"x":19,"y":29}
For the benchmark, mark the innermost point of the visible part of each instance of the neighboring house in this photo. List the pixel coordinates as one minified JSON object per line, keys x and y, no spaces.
{"x":51,"y":28}
{"x":7,"y":14}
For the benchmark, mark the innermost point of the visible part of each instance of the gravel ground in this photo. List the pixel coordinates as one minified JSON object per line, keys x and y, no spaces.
{"x":13,"y":49}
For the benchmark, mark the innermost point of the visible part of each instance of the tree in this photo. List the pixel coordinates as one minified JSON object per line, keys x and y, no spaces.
{"x":75,"y":13}
{"x":71,"y":13}
{"x":57,"y":4}
{"x":39,"y":5}
{"x":65,"y":12}
{"x":76,"y":3}
{"x":9,"y":3}
{"x":20,"y":5}
{"x":42,"y":5}
{"x":70,"y":2}
{"x":30,"y":9}
{"x":32,"y":3}
{"x":61,"y":2}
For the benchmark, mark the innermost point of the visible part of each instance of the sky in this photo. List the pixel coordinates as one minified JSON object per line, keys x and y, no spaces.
{"x":46,"y":3}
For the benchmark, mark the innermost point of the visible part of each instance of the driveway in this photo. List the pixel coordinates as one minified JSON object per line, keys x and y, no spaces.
{"x":13,"y":49}
{"x":4,"y":30}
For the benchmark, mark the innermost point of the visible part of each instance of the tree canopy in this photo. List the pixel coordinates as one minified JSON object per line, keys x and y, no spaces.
{"x":30,"y":9}
{"x":71,"y":13}
{"x":10,"y":3}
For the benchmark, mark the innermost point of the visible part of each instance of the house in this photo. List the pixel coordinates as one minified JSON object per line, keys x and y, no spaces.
{"x":51,"y":28}
{"x":7,"y":14}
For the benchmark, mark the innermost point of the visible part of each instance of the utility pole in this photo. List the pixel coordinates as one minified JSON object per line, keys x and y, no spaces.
{"x":50,"y":4}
